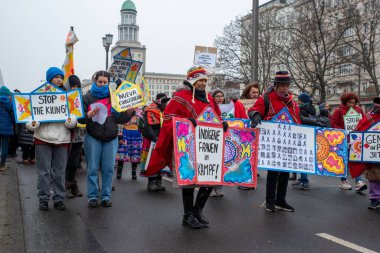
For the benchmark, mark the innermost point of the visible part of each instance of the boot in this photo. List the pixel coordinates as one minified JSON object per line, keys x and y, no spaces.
{"x":159,"y":183}
{"x":189,"y":221}
{"x":119,"y":169}
{"x":75,"y":190}
{"x":134,"y":167}
{"x":200,"y":202}
{"x":200,"y":217}
{"x":152,"y":185}
{"x":68,"y":186}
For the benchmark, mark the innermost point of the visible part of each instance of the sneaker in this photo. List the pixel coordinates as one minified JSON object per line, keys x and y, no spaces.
{"x":44,"y":206}
{"x":59,"y":205}
{"x":374,"y":204}
{"x":213,"y":194}
{"x":270,"y":208}
{"x":345,"y":185}
{"x":106,"y":203}
{"x":3,"y":167}
{"x":360,"y":186}
{"x":69,"y":194}
{"x":301,"y":186}
{"x":76,"y":192}
{"x":218,"y":192}
{"x":284,"y":206}
{"x":93,"y":203}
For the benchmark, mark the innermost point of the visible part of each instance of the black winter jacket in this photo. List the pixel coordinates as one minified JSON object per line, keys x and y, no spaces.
{"x":309,"y":116}
{"x":107,"y":131}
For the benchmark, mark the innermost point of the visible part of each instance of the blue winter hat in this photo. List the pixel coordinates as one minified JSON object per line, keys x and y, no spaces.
{"x":4,"y":91}
{"x":322,"y":106}
{"x":304,"y":97}
{"x":52,"y":72}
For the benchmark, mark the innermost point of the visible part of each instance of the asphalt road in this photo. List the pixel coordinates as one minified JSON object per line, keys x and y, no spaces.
{"x":141,"y":221}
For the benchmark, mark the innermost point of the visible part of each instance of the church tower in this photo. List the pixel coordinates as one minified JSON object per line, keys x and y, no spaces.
{"x":129,"y":35}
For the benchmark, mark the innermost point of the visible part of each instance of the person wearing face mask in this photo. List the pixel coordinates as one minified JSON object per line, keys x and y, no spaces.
{"x":189,"y":100}
{"x":348,"y":100}
{"x":278,"y":96}
{"x":52,"y":141}
{"x":101,"y":141}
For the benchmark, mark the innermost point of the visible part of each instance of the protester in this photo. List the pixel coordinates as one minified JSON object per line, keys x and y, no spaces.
{"x":77,"y":139}
{"x":348,"y":100}
{"x":237,"y":111}
{"x":309,"y":116}
{"x":188,"y":101}
{"x":100,"y":144}
{"x":251,"y":91}
{"x":6,"y":126}
{"x":130,"y":146}
{"x":370,"y":170}
{"x":52,"y":142}
{"x":278,"y":97}
{"x":26,"y":140}
{"x":150,"y":128}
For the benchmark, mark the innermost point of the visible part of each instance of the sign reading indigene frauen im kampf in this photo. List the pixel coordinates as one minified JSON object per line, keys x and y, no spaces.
{"x":285,"y":146}
{"x":205,"y":155}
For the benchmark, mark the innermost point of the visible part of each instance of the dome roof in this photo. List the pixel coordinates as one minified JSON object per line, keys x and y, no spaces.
{"x":128,"y":6}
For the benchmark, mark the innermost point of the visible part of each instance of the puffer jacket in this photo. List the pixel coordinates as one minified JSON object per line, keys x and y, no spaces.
{"x":6,"y":114}
{"x":53,"y":132}
{"x":109,"y":129}
{"x":309,"y":116}
{"x":25,"y":136}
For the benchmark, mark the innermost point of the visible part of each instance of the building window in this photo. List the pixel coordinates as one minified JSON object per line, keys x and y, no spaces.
{"x":348,"y":32}
{"x":345,"y":51}
{"x":364,"y":86}
{"x":334,"y":90}
{"x":345,"y":69}
{"x":166,"y":87}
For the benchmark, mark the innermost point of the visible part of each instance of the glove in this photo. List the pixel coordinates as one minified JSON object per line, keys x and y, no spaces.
{"x":255,"y":120}
{"x":319,"y":124}
{"x":193,"y":121}
{"x":225,"y":126}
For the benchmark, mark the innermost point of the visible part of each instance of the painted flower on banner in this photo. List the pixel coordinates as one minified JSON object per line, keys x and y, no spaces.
{"x":243,"y":173}
{"x":182,"y":129}
{"x":331,"y":152}
{"x":208,"y":116}
{"x":186,"y":169}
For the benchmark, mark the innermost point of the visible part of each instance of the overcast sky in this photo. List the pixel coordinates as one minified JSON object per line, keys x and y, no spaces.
{"x":33,"y":34}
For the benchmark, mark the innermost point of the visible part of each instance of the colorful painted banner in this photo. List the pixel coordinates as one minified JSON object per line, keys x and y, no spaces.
{"x":206,"y":156}
{"x":119,"y":69}
{"x":240,"y":123}
{"x":127,"y":96}
{"x":144,"y":86}
{"x":133,"y":71}
{"x":365,"y":147}
{"x":351,"y":120}
{"x":227,"y":110}
{"x":285,"y":146}
{"x":47,"y":103}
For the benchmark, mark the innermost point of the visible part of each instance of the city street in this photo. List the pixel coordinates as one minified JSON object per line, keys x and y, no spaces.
{"x":141,"y":221}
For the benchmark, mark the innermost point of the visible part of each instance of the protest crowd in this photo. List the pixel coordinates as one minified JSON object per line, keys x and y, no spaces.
{"x":143,"y":136}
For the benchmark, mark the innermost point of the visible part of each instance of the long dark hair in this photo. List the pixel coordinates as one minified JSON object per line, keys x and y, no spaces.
{"x":247,"y":89}
{"x":101,"y":73}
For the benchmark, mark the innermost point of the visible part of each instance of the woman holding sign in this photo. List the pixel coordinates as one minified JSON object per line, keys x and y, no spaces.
{"x":188,"y":102}
{"x":101,"y":142}
{"x":348,"y":100}
{"x":52,"y":142}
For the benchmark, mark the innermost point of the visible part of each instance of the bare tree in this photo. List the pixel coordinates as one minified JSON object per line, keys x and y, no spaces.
{"x":310,"y":36}
{"x":363,"y":18}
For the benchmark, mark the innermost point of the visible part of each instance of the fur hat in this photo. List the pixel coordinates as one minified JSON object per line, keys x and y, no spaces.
{"x":74,"y":81}
{"x":196,"y":73}
{"x":304,"y":97}
{"x":52,"y":72}
{"x":282,"y":77}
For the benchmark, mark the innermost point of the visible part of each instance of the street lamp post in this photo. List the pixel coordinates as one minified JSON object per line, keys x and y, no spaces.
{"x":107,"y":41}
{"x":255,"y":41}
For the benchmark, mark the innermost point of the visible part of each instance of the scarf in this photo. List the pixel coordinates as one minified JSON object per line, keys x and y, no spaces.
{"x":198,"y":94}
{"x":285,"y":99}
{"x":100,"y":92}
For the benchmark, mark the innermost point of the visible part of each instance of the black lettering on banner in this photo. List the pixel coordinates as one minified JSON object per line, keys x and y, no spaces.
{"x":209,"y":134}
{"x":208,"y":170}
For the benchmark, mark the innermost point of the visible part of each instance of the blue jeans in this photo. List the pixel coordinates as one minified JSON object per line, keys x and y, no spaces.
{"x":303,"y":179}
{"x":4,"y":143}
{"x":357,"y":179}
{"x":100,"y":155}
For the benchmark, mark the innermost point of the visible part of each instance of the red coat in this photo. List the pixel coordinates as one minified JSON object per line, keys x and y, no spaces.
{"x":276,"y":104}
{"x":337,"y":120}
{"x":240,"y":112}
{"x":179,"y":106}
{"x":356,"y":169}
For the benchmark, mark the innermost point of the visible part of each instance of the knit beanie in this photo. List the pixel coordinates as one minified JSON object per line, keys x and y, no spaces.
{"x":74,"y":81}
{"x":304,"y":97}
{"x":52,"y":72}
{"x":4,"y":91}
{"x":195,"y":74}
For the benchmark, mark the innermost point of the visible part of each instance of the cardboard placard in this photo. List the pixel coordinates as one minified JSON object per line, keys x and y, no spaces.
{"x":365,"y":147}
{"x":128,"y":95}
{"x":351,"y":120}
